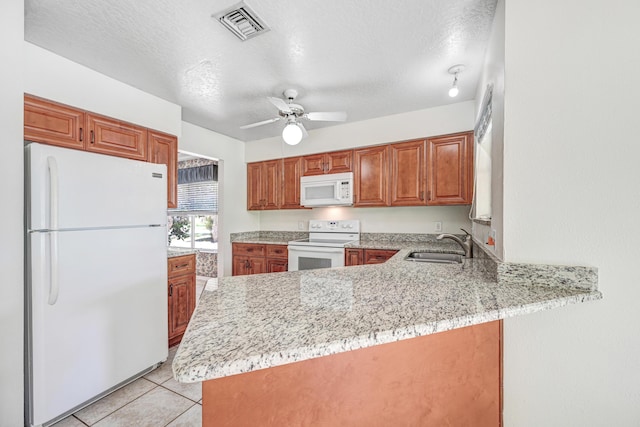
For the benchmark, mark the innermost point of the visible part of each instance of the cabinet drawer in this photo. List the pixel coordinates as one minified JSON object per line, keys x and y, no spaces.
{"x":277,"y":251}
{"x":377,"y":256}
{"x":181,"y":265}
{"x":252,"y":249}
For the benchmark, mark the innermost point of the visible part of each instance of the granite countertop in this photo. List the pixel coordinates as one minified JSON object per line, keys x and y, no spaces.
{"x":247,"y":323}
{"x":174,"y":252}
{"x":262,"y":240}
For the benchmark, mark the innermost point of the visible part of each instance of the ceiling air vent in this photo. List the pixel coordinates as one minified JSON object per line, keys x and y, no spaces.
{"x":243,"y":22}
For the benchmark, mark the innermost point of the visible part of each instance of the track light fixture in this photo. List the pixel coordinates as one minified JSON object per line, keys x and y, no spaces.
{"x":455,"y":70}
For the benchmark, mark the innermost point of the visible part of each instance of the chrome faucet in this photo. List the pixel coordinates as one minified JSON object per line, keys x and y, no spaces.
{"x":466,"y":244}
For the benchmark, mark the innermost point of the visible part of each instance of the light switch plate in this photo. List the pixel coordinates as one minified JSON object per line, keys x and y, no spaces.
{"x":437,"y":226}
{"x":300,"y":225}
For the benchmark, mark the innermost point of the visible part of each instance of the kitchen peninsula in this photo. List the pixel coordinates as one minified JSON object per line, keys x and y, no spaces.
{"x":365,"y":345}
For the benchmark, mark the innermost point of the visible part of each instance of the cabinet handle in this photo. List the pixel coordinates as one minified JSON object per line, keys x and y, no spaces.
{"x":249,"y":249}
{"x":81,"y":134}
{"x":422,"y":195}
{"x":246,"y":264}
{"x":181,"y":266}
{"x":170,"y":290}
{"x":92,"y":137}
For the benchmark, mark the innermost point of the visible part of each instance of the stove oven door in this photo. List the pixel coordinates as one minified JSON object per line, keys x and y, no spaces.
{"x":311,"y":257}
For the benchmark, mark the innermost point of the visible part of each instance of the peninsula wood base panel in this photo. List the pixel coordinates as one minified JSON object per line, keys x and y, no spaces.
{"x":452,"y":378}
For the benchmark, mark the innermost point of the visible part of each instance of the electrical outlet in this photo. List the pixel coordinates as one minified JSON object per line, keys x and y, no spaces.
{"x":300,"y":225}
{"x":437,"y":226}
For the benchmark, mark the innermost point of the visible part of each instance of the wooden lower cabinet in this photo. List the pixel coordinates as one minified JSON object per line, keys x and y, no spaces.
{"x":181,"y":295}
{"x":450,"y":378}
{"x":256,"y":258}
{"x":352,"y":257}
{"x":367,"y":256}
{"x":377,"y":256}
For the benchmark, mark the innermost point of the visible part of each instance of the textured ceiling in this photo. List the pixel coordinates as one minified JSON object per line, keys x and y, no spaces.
{"x":370,"y":58}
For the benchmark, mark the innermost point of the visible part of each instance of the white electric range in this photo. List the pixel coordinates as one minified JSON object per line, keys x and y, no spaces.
{"x":325,"y":246}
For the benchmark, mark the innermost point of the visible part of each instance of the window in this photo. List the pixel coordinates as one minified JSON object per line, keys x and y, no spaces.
{"x":193,"y":231}
{"x":194,"y":223}
{"x":481,"y":207}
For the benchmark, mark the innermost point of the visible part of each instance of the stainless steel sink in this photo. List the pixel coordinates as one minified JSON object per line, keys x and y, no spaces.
{"x":436,"y":257}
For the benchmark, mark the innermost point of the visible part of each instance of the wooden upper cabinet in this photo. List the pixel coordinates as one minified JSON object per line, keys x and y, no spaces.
{"x":450,"y":169}
{"x":52,"y":123}
{"x":163,"y":149}
{"x":116,"y":138}
{"x":291,"y":173}
{"x":371,"y":176}
{"x":323,"y":163}
{"x":408,"y":174}
{"x":263,"y":185}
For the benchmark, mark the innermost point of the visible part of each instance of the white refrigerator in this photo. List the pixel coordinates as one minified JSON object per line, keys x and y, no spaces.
{"x":96,"y":276}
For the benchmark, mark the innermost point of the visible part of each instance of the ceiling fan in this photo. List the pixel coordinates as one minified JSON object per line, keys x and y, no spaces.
{"x":294,"y":130}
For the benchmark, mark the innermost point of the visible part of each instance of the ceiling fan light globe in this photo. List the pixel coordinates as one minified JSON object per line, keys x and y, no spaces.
{"x":292,"y":134}
{"x":453,"y":92}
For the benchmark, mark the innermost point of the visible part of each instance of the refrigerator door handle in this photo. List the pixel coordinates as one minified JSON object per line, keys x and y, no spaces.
{"x":53,"y":225}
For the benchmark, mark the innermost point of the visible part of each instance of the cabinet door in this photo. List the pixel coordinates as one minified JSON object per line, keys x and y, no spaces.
{"x":408,"y":174}
{"x":181,"y":303}
{"x":313,"y":164}
{"x":275,"y":265}
{"x":163,"y":148}
{"x":291,"y":173}
{"x":257,"y":265}
{"x":271,"y":184}
{"x":377,"y":256}
{"x":339,"y":161}
{"x":263,"y":185}
{"x":116,"y":138}
{"x":371,"y":176}
{"x":254,"y":186}
{"x":450,"y":169}
{"x":240,"y":265}
{"x":352,"y":257}
{"x":51,"y":123}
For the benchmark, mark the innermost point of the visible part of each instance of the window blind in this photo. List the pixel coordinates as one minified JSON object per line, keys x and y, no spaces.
{"x":197,"y":190}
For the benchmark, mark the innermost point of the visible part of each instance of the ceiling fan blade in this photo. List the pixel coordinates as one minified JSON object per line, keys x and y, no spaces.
{"x":264,"y":122}
{"x":335,"y":116}
{"x":304,"y":131}
{"x":280,"y":104}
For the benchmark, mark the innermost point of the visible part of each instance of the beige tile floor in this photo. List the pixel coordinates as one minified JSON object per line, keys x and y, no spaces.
{"x":155,"y":400}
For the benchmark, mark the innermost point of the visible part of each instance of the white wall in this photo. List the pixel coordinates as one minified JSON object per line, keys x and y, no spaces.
{"x":233,"y":216}
{"x":571,"y":195}
{"x":53,"y":77}
{"x":493,"y":73}
{"x":11,"y":194}
{"x":416,"y":124}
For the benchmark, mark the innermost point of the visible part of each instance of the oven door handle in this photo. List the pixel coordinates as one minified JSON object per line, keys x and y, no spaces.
{"x":315,"y":249}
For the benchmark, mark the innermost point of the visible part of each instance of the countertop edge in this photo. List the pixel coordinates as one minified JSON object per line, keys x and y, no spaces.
{"x":264,"y":361}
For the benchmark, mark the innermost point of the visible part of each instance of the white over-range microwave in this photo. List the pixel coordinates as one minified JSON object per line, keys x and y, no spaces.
{"x":327,"y":190}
